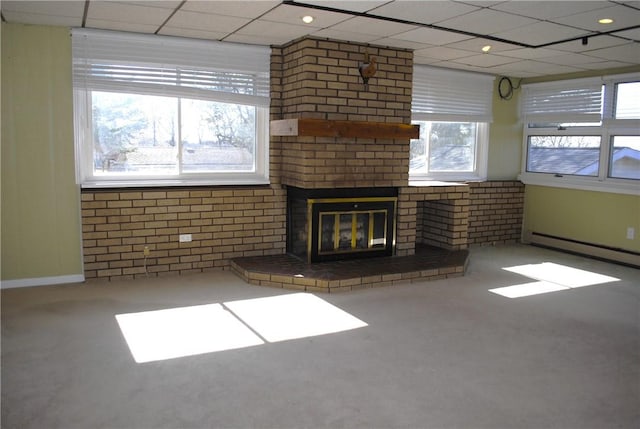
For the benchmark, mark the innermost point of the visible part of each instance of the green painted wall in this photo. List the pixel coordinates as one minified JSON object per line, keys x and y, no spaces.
{"x":40,"y":200}
{"x":505,"y":136}
{"x":593,"y":217}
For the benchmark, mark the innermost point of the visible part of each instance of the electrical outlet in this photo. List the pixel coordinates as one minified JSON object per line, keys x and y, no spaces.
{"x":631,"y":233}
{"x":146,"y":251}
{"x":184,"y":238}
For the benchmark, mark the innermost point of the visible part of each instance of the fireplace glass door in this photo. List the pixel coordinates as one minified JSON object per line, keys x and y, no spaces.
{"x":342,"y":228}
{"x":354,"y":231}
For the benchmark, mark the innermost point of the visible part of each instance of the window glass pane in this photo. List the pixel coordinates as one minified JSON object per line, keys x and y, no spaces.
{"x":627,"y":100}
{"x":217,"y":136}
{"x":418,"y":149}
{"x":625,"y":157}
{"x":444,"y":147}
{"x":134,"y":134}
{"x":562,"y":125}
{"x":578,"y":155}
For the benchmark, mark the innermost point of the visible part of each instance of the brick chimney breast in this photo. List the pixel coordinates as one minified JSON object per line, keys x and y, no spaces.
{"x":319,"y":79}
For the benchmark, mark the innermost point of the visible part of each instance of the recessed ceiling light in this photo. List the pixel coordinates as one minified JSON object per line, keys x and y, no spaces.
{"x":605,"y":21}
{"x":486,"y":48}
{"x":307,"y":19}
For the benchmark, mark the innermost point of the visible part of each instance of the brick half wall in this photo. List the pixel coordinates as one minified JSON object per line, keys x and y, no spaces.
{"x":224,"y":223}
{"x":496,"y":210}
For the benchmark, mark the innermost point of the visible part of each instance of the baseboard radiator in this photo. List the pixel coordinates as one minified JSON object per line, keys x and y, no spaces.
{"x":599,"y":251}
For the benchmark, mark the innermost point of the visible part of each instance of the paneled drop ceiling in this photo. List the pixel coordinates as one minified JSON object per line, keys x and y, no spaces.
{"x":527,"y":38}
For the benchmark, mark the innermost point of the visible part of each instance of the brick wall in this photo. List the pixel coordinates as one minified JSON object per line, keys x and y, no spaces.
{"x":224,"y":223}
{"x":318,"y":78}
{"x":496,"y":209}
{"x":433,"y":215}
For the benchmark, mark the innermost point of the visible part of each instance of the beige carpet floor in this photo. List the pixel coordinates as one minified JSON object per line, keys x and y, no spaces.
{"x":487,"y":350}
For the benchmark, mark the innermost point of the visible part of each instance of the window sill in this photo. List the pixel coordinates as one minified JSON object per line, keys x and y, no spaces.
{"x":163,"y":183}
{"x":612,"y":186}
{"x":446,"y":178}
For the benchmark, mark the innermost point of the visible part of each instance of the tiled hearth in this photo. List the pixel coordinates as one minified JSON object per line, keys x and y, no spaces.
{"x":289,"y":272}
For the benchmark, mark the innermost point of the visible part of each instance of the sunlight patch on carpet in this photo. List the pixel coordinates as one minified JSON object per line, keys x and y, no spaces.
{"x":528,"y":289}
{"x":298,"y":315}
{"x":184,"y":331}
{"x":187,"y":331}
{"x":550,"y":277}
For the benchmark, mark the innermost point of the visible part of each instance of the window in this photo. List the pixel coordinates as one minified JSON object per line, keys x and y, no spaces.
{"x":583,"y":134}
{"x":453,"y":109}
{"x":155,"y":110}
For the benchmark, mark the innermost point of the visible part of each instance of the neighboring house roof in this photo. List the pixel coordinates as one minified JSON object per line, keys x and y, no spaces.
{"x":563,"y":160}
{"x":446,"y":158}
{"x":618,"y":155}
{"x":583,"y":161}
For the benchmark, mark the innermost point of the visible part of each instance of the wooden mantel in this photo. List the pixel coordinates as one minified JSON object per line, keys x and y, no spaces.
{"x":349,"y":129}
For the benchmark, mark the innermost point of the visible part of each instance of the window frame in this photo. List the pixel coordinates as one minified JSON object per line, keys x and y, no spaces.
{"x":182,"y":52}
{"x":479,"y":172}
{"x":608,"y":128}
{"x":445,"y":95}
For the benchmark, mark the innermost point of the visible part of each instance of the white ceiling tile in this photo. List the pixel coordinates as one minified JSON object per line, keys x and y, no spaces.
{"x":398,"y":43}
{"x":330,"y":33}
{"x":62,"y":13}
{"x":602,"y":65}
{"x":206,"y":22}
{"x":293,"y":15}
{"x":629,"y":52}
{"x":510,"y":70}
{"x":549,"y":9}
{"x":541,"y":33}
{"x":355,"y":6}
{"x":487,"y":21}
{"x":594,"y":42}
{"x":277,"y":24}
{"x":192,"y":33}
{"x":485,"y":60}
{"x":127,"y":13}
{"x":480,"y":3}
{"x":426,"y":12}
{"x":570,"y":59}
{"x":431,"y":36}
{"x":476,"y":45}
{"x":121,"y":26}
{"x":535,"y":68}
{"x":623,"y":17}
{"x":264,"y":40}
{"x":239,"y":8}
{"x":373,"y":26}
{"x":272,"y":33}
{"x":41,"y":19}
{"x":630,"y":34}
{"x":530,"y":53}
{"x":443,"y":53}
{"x":53,"y":8}
{"x":465,"y":67}
{"x":165,"y":4}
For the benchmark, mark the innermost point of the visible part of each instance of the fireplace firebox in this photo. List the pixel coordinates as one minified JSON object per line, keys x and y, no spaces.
{"x":333,"y":224}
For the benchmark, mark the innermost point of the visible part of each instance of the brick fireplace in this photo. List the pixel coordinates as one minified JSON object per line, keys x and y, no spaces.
{"x":343,"y":143}
{"x":314,"y":83}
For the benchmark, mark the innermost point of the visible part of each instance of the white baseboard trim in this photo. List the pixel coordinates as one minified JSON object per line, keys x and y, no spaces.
{"x":588,"y":249}
{"x":41,"y":281}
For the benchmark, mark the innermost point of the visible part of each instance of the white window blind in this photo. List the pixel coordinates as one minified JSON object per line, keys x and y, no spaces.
{"x":164,"y":65}
{"x":451,"y":95}
{"x":565,"y":101}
